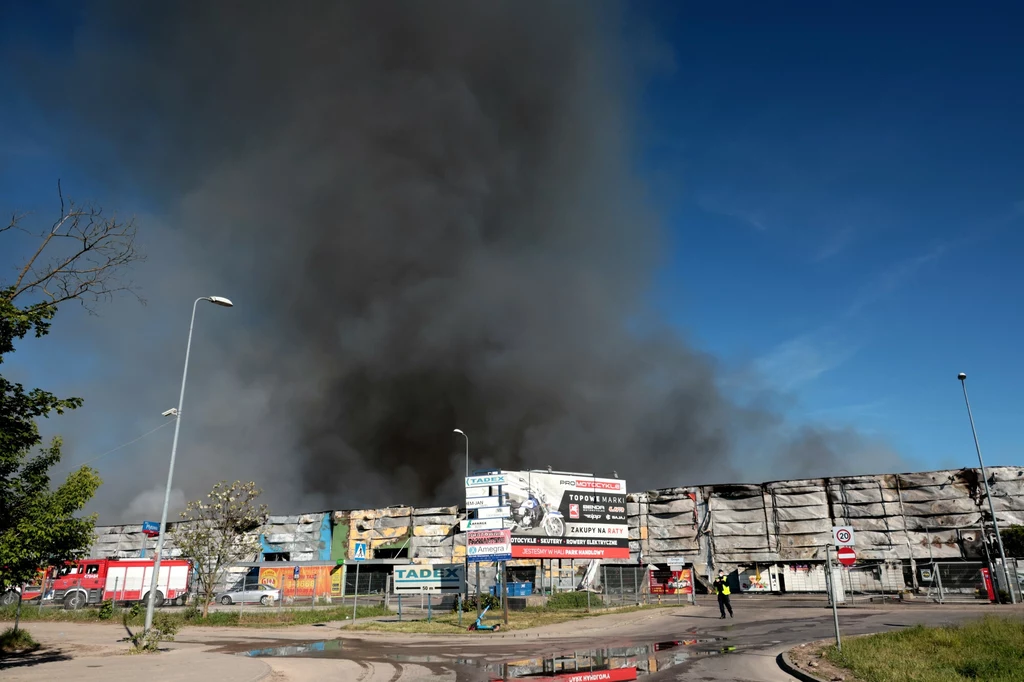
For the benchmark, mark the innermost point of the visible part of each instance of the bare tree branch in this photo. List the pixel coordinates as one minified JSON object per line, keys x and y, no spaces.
{"x":83,"y":257}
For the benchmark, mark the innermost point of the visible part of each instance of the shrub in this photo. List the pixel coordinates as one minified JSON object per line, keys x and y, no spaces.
{"x":469,"y":604}
{"x":573,"y":600}
{"x":16,"y":641}
{"x":106,"y":610}
{"x":163,"y":630}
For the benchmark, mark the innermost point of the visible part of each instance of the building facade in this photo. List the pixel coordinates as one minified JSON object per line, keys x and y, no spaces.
{"x":773,"y":536}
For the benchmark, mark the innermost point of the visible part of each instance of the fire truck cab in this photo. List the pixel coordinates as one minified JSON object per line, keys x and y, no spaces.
{"x":91,"y":581}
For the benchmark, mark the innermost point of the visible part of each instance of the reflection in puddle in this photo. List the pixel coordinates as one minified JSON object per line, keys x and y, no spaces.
{"x":608,"y":664}
{"x":611,"y":663}
{"x":298,"y":649}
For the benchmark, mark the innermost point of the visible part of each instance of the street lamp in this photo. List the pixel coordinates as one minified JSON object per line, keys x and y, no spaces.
{"x":221,"y":301}
{"x":467,"y":543}
{"x":467,"y":448}
{"x":988,"y":493}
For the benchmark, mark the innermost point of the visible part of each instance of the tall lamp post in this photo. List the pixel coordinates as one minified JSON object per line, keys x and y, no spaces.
{"x":988,"y":493}
{"x":150,"y":603}
{"x":467,"y":448}
{"x":467,"y":544}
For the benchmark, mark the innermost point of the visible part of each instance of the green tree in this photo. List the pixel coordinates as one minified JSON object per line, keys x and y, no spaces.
{"x":81,"y":257}
{"x":217,"y":533}
{"x":1013,"y":541}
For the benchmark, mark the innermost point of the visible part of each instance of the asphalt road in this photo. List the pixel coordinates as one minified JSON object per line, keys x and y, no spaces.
{"x":687,"y":643}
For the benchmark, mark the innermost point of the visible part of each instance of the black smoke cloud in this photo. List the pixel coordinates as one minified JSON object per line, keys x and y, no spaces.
{"x":427,"y":215}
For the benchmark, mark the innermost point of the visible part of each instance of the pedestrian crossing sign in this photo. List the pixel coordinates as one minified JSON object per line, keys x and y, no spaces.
{"x":360,"y":552}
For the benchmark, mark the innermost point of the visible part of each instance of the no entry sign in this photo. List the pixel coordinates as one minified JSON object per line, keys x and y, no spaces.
{"x":847,"y":557}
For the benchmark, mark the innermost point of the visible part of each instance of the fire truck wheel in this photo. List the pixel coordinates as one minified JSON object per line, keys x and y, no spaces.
{"x":74,"y":600}
{"x":9,"y":597}
{"x":158,"y":598}
{"x":225,"y":600}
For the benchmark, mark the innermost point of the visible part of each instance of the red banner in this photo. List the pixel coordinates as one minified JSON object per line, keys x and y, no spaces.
{"x":671,"y":582}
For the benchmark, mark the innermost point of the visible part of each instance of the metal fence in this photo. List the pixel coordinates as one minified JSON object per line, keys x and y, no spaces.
{"x":624,"y":584}
{"x":945,"y":582}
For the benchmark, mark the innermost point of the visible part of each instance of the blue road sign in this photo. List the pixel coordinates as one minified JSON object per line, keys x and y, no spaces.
{"x":360,"y":552}
{"x":151,"y":528}
{"x":296,"y":573}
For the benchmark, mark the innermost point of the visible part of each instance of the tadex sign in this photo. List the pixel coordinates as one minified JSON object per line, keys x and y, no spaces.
{"x":430,"y":578}
{"x":485,"y":481}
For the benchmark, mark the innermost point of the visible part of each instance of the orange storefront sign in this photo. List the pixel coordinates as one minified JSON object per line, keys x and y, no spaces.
{"x":325,"y":580}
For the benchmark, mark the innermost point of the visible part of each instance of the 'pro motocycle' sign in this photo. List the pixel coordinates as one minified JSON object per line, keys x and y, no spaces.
{"x":566,"y":516}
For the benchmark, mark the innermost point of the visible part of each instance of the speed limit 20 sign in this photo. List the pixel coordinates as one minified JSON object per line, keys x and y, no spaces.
{"x":842,"y":536}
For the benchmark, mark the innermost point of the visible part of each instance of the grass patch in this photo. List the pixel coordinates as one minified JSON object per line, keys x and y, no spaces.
{"x":261,"y":617}
{"x":15,"y":642}
{"x":991,"y":649}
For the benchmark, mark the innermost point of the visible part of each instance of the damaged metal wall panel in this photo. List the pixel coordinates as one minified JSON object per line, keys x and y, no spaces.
{"x":637,"y":513}
{"x":435,"y":535}
{"x":739,"y":524}
{"x":120,"y":541}
{"x":298,"y":536}
{"x":799,"y":522}
{"x":871,"y":507}
{"x":378,"y":527}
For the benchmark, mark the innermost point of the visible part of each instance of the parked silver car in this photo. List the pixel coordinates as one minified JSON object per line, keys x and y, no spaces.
{"x":239,"y":594}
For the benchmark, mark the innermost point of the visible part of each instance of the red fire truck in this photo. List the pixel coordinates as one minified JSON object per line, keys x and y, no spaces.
{"x":91,"y":581}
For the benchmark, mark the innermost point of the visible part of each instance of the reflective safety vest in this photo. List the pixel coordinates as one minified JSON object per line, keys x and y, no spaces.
{"x":722,"y":587}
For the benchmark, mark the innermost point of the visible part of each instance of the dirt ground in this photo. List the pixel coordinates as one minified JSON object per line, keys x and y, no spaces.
{"x":810,"y":658}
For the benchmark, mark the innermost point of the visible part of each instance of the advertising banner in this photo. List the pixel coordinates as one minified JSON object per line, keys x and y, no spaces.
{"x":671,"y":582}
{"x":555,"y":515}
{"x":434,"y":578}
{"x":488,"y":545}
{"x":325,"y":579}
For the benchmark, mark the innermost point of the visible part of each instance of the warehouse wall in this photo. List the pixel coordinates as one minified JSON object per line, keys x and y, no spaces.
{"x":923,"y":516}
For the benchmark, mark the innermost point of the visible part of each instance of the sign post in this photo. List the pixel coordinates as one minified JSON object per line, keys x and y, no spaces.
{"x":832,"y":594}
{"x":359,"y":556}
{"x":844,"y":539}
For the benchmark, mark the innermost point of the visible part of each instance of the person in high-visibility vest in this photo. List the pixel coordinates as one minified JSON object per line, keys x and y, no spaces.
{"x":721,"y":586}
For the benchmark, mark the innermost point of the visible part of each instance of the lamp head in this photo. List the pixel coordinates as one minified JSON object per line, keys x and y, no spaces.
{"x":961,"y":376}
{"x":220,"y":300}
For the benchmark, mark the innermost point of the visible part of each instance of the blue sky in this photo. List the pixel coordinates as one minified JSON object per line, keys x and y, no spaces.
{"x":843,"y":189}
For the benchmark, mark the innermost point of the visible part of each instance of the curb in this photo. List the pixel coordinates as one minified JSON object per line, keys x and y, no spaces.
{"x":787,"y":666}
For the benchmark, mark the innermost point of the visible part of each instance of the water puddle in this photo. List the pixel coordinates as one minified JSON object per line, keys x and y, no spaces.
{"x":607,"y":664}
{"x":308,"y":649}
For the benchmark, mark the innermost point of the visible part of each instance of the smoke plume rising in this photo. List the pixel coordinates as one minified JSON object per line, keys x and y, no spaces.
{"x":427,"y":216}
